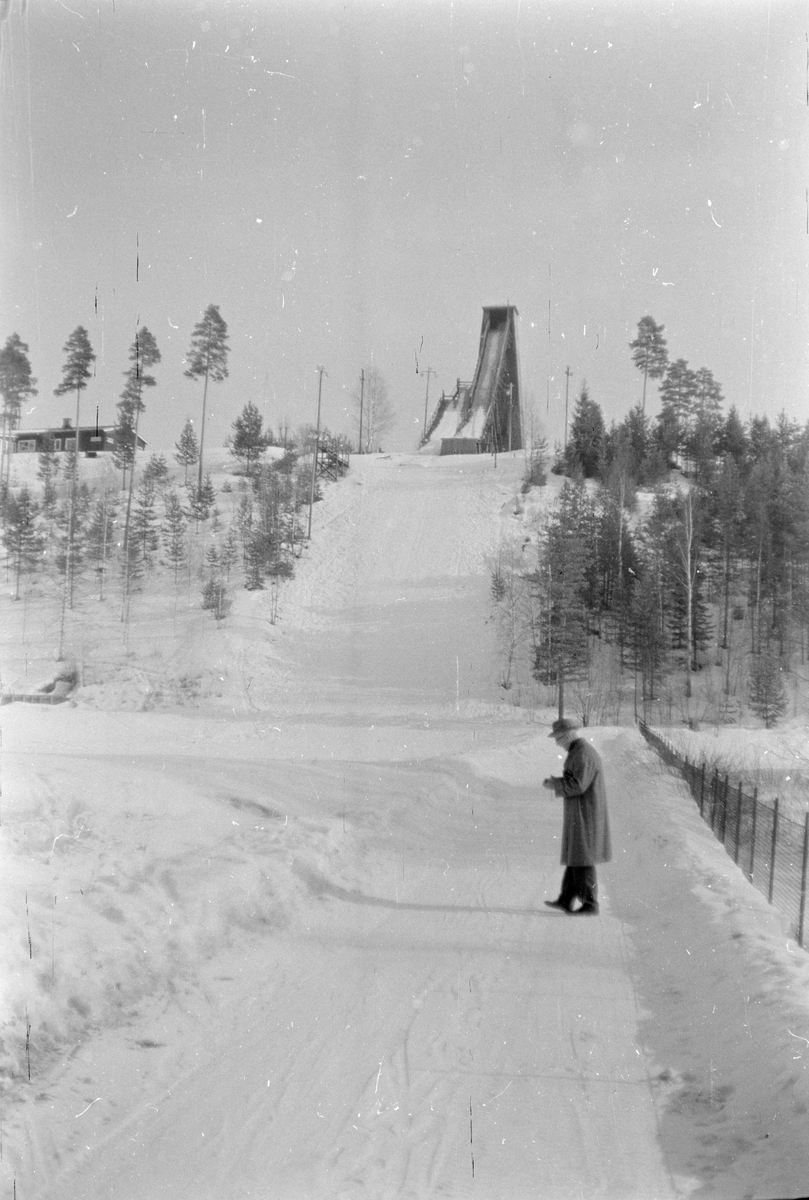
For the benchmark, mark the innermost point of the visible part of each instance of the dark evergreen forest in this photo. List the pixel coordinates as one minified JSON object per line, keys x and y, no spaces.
{"x":675,"y":568}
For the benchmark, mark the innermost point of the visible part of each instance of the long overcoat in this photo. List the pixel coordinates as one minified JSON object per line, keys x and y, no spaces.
{"x":586,"y":826}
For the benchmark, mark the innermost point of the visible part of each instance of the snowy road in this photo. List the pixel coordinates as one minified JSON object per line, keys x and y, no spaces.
{"x":300,"y":951}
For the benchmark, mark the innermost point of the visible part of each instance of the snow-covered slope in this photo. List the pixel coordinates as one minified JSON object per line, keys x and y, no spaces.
{"x":296,"y":948}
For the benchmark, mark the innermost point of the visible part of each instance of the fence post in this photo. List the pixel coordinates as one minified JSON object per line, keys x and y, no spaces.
{"x":725,"y":809}
{"x":738,"y":824}
{"x":714,"y":783}
{"x":773,"y":848}
{"x":702,"y":790}
{"x":802,"y":911}
{"x":753,"y":833}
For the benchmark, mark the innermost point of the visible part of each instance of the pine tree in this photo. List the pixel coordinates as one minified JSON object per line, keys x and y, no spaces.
{"x":187,"y":449}
{"x":143,"y":354}
{"x":676,"y":407}
{"x":649,"y":353}
{"x":16,"y":385}
{"x":75,"y":374}
{"x":207,"y":359}
{"x":124,"y":441}
{"x":704,"y":436}
{"x":248,"y":440}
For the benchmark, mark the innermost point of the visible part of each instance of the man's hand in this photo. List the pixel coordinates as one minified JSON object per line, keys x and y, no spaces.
{"x":549,"y":784}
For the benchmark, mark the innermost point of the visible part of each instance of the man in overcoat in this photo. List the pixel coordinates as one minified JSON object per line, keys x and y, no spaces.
{"x":585,"y":826}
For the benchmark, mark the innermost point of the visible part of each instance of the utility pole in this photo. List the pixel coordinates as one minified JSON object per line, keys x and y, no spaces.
{"x":428,"y":373}
{"x":314,"y":455}
{"x":567,"y":382}
{"x":362,"y":395}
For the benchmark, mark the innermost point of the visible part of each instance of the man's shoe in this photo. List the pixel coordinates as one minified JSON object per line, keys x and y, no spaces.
{"x":557,"y":904}
{"x":586,"y":910}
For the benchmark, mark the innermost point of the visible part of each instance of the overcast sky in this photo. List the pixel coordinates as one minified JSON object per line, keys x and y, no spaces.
{"x":352,"y":182}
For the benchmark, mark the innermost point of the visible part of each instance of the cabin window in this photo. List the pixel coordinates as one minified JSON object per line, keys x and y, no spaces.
{"x":27,"y":444}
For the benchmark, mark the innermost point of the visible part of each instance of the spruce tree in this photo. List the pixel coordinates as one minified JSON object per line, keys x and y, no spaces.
{"x":174,"y":527}
{"x":203,"y":499}
{"x":144,"y":526}
{"x":732,"y":438}
{"x":767,"y":693}
{"x":22,"y":537}
{"x":157,"y":470}
{"x":586,"y":445}
{"x":187,"y":449}
{"x":230,"y":553}
{"x":101,"y":534}
{"x":561,"y":587}
{"x":647,"y":633}
{"x":47,"y":472}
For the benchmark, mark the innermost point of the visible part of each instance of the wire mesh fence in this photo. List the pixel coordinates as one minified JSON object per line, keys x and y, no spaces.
{"x":771,"y":849}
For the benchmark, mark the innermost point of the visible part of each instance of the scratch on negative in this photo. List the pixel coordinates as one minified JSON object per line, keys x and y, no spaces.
{"x":90,"y":1105}
{"x":74,"y":836}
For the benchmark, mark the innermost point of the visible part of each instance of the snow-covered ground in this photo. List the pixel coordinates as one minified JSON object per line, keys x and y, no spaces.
{"x":290,"y":944}
{"x":775,"y":761}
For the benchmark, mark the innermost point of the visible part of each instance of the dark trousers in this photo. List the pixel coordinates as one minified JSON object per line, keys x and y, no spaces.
{"x":579,"y":883}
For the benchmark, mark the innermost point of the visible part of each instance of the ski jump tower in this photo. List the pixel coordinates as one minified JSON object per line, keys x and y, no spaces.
{"x":484,"y":415}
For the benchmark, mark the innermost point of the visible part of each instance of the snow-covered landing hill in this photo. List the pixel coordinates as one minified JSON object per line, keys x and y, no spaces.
{"x":296,"y":947}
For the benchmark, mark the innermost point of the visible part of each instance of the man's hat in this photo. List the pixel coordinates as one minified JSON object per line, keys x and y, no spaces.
{"x":562,"y":725}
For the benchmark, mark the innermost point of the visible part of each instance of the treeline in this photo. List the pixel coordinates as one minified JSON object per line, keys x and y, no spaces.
{"x":711,"y":572}
{"x":127,"y":524}
{"x":91,"y":538}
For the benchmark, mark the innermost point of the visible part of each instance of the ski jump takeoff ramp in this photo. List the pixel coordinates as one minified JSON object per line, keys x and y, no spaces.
{"x":484,"y":415}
